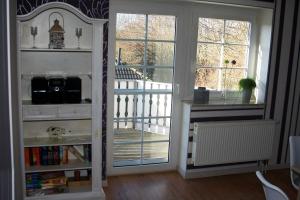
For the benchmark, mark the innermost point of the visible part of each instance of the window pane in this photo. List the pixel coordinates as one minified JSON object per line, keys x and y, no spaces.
{"x":153,"y":151}
{"x":237,"y":32}
{"x":130,"y":26}
{"x":160,"y":54}
{"x":130,"y":53}
{"x":128,"y":105}
{"x":163,"y":77}
{"x":131,"y":134}
{"x":231,"y":78}
{"x":207,"y":78}
{"x":129,"y":84}
{"x":156,"y":130}
{"x":130,"y":74}
{"x":161,"y":27}
{"x":143,"y":88}
{"x":126,"y":152}
{"x":210,"y":30}
{"x":165,"y":105}
{"x":236,"y":53}
{"x":208,"y":55}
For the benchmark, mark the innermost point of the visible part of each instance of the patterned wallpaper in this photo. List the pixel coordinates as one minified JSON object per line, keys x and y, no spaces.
{"x":93,"y":9}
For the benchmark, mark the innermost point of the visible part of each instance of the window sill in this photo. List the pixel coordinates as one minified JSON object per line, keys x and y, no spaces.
{"x":224,"y":105}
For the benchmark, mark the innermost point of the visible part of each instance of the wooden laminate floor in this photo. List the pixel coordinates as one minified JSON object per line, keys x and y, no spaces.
{"x":170,"y":185}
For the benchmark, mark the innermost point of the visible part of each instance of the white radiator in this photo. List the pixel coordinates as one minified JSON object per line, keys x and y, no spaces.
{"x":232,"y":142}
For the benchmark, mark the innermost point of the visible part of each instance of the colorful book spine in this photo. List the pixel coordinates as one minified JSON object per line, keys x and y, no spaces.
{"x":36,"y":156}
{"x":65,"y":155}
{"x":56,"y":160}
{"x":33,"y":181}
{"x":27,"y":157}
{"x":87,"y":152}
{"x":61,"y":154}
{"x":31,"y":159}
{"x":50,"y":156}
{"x":44,"y":156}
{"x":90,"y":152}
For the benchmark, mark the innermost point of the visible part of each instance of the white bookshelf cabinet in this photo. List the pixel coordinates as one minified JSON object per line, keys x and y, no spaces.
{"x":82,"y":122}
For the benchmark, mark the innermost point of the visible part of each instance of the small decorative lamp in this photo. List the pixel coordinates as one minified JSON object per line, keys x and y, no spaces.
{"x":56,"y":36}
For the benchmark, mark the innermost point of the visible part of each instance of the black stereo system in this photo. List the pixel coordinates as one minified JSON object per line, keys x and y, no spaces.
{"x":55,"y":90}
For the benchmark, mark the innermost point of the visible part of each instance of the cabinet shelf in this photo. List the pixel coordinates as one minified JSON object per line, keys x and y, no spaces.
{"x":54,"y":50}
{"x":72,"y":165}
{"x":38,"y":112}
{"x":68,"y":140}
{"x":32,"y":74}
{"x":29,"y":103}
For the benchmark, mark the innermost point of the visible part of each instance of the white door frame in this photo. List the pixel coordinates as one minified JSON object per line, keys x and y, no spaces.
{"x":143,"y":7}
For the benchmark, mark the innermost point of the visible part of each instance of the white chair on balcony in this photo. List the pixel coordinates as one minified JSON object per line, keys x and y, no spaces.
{"x":272,"y":192}
{"x":295,"y":161}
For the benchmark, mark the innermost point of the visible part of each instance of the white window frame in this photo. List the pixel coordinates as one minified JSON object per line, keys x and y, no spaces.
{"x":221,"y":67}
{"x":228,"y":13}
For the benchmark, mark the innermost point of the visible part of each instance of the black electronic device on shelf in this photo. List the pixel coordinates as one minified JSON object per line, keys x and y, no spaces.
{"x":55,"y":90}
{"x":39,"y":90}
{"x":72,"y":90}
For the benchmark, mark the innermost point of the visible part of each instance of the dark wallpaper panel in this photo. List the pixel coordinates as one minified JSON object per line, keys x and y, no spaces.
{"x":93,"y":9}
{"x":272,"y":1}
{"x":104,"y":99}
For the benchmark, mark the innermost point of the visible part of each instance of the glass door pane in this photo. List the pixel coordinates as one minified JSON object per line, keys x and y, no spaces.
{"x":145,"y":49}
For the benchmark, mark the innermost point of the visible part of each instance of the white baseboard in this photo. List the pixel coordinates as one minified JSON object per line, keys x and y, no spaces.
{"x":164,"y":167}
{"x":219,"y":171}
{"x":182,"y":172}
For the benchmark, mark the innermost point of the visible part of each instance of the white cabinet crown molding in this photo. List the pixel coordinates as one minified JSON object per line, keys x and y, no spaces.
{"x":60,"y":5}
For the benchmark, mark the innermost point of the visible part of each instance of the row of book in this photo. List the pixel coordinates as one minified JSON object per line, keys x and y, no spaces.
{"x":46,"y":183}
{"x":56,"y":155}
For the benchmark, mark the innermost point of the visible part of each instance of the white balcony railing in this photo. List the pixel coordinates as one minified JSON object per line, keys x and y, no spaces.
{"x":141,"y":104}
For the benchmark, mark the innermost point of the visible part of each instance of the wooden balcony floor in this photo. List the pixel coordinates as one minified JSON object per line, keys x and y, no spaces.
{"x":127,"y":146}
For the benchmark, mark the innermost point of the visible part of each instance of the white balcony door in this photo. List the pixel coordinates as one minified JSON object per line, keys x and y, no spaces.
{"x":144,"y":54}
{"x":144,"y":60}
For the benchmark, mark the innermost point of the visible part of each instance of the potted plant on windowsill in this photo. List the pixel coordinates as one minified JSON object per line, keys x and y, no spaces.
{"x":247,"y":85}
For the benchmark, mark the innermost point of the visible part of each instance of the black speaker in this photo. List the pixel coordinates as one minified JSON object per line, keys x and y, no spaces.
{"x":56,"y":89}
{"x":39,"y":90}
{"x":72,"y":90}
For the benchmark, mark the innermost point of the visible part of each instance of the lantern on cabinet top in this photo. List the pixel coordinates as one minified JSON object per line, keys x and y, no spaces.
{"x":56,"y":35}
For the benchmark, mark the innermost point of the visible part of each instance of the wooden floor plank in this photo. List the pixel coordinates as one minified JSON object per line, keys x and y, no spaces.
{"x":170,"y":185}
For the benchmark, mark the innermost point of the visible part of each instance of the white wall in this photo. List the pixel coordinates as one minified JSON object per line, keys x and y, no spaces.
{"x":263,"y":49}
